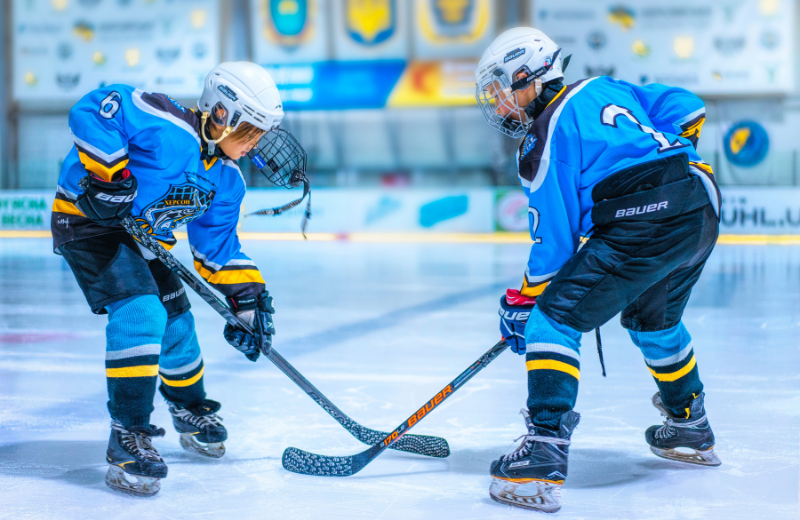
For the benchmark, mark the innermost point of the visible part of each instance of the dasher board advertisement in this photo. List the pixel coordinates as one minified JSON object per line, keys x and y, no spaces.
{"x":63,"y":49}
{"x":705,"y":46}
{"x":289,"y":31}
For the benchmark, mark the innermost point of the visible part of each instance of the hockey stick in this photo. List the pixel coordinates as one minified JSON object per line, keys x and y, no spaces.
{"x":305,"y":463}
{"x":419,"y":444}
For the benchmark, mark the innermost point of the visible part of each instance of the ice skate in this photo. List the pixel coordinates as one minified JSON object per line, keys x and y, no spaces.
{"x":684,"y":440}
{"x":201,"y":428}
{"x":135,"y":465}
{"x":531,"y":476}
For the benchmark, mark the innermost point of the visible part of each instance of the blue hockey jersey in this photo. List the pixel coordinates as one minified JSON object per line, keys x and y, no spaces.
{"x":590,"y":130}
{"x":158,"y":140}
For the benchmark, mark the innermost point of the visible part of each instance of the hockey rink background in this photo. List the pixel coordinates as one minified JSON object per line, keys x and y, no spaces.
{"x":418,"y":227}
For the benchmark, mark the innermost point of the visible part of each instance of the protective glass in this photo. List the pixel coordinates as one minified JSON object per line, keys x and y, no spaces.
{"x":280,"y":158}
{"x":499,"y":105}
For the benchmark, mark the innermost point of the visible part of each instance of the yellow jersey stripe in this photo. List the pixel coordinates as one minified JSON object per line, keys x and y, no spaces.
{"x":674,"y":376}
{"x":102,"y":171}
{"x":703,"y":166}
{"x":557,"y":96}
{"x":552,"y":364}
{"x":533,"y":291}
{"x":229,"y":277}
{"x":183,"y":382}
{"x":138,"y":371}
{"x":64,"y":206}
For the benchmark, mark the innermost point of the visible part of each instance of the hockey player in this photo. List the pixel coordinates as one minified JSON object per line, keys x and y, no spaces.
{"x":146,"y":156}
{"x":623,"y":215}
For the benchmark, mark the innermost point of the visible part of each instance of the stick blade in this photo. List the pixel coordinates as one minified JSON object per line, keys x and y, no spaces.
{"x":419,"y":444}
{"x":305,"y":463}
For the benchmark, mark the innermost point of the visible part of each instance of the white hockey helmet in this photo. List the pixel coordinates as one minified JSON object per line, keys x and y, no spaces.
{"x":515,"y":51}
{"x":237,"y":92}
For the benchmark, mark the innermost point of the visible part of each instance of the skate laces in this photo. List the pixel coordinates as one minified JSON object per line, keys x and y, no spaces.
{"x":529,"y":438}
{"x":137,"y":442}
{"x":200,"y":421}
{"x":669,"y":428}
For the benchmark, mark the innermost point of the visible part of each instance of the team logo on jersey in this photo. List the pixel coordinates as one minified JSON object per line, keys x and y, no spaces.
{"x":516,"y":53}
{"x":370,"y":22}
{"x":179,"y":206}
{"x":451,"y":21}
{"x":527,"y":145}
{"x":288,"y":22}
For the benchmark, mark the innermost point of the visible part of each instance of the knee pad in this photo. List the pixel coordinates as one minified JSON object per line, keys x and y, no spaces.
{"x":543,"y":330}
{"x":135,"y":321}
{"x":662,"y":344}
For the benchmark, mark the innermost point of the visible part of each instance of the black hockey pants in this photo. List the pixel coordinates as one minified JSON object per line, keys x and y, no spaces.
{"x":640,"y":260}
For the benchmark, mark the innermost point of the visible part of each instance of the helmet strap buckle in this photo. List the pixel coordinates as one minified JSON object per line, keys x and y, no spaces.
{"x":537,"y":86}
{"x":212,"y":144}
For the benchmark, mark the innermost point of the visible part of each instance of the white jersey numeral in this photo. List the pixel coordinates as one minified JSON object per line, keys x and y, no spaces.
{"x":110,"y":105}
{"x":534,"y":213}
{"x":609,"y":117}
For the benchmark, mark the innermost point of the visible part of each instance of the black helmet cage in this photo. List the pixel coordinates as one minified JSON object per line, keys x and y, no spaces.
{"x":280,"y":158}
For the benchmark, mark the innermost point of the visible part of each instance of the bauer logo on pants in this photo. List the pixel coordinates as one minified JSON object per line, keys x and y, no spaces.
{"x":641,"y":210}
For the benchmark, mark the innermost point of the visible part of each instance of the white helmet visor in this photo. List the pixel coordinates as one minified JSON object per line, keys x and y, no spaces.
{"x":499,"y":104}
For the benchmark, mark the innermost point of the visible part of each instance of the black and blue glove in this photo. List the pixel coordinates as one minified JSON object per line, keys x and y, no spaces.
{"x":107,"y":203}
{"x":515,"y":309}
{"x":256,"y":312}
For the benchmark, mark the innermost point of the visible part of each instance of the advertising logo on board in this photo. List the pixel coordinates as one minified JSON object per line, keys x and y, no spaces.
{"x":746,"y":144}
{"x":288,"y":22}
{"x":463,"y":21}
{"x":370,"y":22}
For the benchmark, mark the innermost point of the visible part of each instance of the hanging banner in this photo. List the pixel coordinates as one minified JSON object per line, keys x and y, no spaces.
{"x":370,"y":29}
{"x":436,"y":83}
{"x":61,"y":50}
{"x":452,"y":29}
{"x":705,"y":46}
{"x":289,"y":31}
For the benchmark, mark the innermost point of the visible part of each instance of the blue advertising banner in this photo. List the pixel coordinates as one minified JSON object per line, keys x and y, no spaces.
{"x":336,"y":85}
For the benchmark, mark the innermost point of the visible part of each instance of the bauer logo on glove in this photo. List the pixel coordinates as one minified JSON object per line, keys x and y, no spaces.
{"x":515,"y":310}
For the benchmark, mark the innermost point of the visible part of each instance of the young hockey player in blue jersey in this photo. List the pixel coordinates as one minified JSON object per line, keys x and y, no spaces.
{"x":623,"y":216}
{"x":144,"y":155}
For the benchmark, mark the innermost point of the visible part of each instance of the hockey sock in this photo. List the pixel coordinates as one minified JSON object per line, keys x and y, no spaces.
{"x":133,"y":335}
{"x":553,"y":362}
{"x":670,"y":358}
{"x":181,"y":365}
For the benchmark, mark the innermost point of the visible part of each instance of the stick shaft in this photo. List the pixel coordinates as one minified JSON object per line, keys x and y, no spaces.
{"x":432,"y":446}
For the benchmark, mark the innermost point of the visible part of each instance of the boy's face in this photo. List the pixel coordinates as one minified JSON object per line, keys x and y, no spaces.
{"x":236,"y":149}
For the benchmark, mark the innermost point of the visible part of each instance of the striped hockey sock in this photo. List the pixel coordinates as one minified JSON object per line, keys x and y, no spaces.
{"x":553,"y":363}
{"x":670,"y":358}
{"x":133,"y":335}
{"x":181,"y":365}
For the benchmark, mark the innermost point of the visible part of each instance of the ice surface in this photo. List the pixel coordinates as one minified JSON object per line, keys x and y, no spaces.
{"x":379,"y":328}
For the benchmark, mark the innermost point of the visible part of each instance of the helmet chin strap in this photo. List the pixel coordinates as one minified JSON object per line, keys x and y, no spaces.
{"x":537,"y":86}
{"x":212,"y":144}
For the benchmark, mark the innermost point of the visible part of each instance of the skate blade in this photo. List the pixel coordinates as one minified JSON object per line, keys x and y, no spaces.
{"x":703,"y":458}
{"x":214,"y":450}
{"x":135,"y":485}
{"x":536,"y":495}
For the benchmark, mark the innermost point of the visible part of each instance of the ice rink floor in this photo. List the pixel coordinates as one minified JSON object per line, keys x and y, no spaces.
{"x":380,"y":328}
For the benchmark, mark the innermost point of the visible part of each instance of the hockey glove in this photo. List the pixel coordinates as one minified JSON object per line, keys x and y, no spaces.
{"x":515,"y":310}
{"x":256,"y":312}
{"x":107,"y":203}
